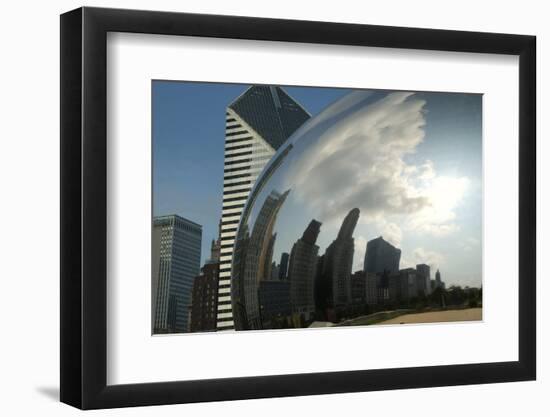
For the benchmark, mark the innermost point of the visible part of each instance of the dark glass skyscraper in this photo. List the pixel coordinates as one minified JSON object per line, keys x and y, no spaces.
{"x":381,"y":256}
{"x":176,"y":262}
{"x":257,"y":123}
{"x":283,"y":266}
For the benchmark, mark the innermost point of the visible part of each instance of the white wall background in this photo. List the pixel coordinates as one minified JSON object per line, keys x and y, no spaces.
{"x":29,"y":225}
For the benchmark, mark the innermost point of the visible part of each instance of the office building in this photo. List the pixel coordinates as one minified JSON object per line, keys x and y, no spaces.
{"x":364,"y":288}
{"x":301,"y":271}
{"x":358,"y":288}
{"x":257,"y":123}
{"x":176,"y":244}
{"x":381,"y":256}
{"x":337,"y":264}
{"x":406,"y":284}
{"x":372,"y":292}
{"x":283,"y":266}
{"x":438,"y":283}
{"x":275,"y":305}
{"x":424,"y":284}
{"x":205,"y":299}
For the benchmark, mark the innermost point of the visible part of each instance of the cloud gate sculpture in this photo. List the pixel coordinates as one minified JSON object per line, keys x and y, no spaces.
{"x":293,"y":254}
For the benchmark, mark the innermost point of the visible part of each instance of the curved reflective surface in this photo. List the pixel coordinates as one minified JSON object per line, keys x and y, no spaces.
{"x":294,"y":251}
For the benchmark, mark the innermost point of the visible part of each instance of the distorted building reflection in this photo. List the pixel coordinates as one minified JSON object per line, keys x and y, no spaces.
{"x":253,"y":260}
{"x":301,"y":273}
{"x":335,"y":274}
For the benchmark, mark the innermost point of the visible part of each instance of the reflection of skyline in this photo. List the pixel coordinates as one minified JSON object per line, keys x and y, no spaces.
{"x":350,"y":159}
{"x":426,"y":214}
{"x":320,"y":288}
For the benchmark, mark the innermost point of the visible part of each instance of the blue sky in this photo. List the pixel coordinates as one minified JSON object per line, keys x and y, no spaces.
{"x":188,"y":142}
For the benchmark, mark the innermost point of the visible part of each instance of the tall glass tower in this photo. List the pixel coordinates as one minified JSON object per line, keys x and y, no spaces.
{"x":381,"y":256}
{"x":176,"y":263}
{"x":257,"y":123}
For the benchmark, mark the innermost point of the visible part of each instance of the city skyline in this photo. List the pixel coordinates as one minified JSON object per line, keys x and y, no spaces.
{"x":447,"y":242}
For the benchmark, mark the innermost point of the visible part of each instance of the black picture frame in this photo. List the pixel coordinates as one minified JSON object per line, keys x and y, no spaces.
{"x":84,"y":207}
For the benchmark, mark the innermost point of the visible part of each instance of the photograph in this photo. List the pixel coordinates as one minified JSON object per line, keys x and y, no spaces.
{"x":256,"y":205}
{"x":293,"y":207}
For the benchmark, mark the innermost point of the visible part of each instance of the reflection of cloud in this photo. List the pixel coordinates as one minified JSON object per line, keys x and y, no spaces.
{"x":423,"y":256}
{"x":469,"y":244}
{"x":393,"y":234}
{"x":359,"y":252}
{"x":437,"y":218}
{"x":359,"y":161}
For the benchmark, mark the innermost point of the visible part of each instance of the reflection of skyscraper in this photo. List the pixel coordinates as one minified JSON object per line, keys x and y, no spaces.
{"x":283,"y":266}
{"x":403,"y":285}
{"x":337,"y":264}
{"x":176,"y":260}
{"x":274,"y":299}
{"x":425,"y":284}
{"x":255,"y":260}
{"x":438,"y":283}
{"x":257,"y":124}
{"x":301,"y":271}
{"x":381,"y":256}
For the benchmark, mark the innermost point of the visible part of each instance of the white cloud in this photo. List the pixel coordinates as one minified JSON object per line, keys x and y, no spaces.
{"x":469,"y":244}
{"x":392,"y":233}
{"x":360,"y":248}
{"x":423,"y":256}
{"x":356,"y":158}
{"x":437,"y":218}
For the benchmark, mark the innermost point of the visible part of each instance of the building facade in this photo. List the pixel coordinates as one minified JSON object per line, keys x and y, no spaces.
{"x":254,"y":261}
{"x":205,"y":299}
{"x":337,"y":264}
{"x":407,"y":284}
{"x":371,"y":289}
{"x":176,"y":254}
{"x":257,"y":123}
{"x":283,"y":266}
{"x":437,"y":283}
{"x":425,"y":285}
{"x":275,"y":305}
{"x":381,"y":256}
{"x":302,"y":269}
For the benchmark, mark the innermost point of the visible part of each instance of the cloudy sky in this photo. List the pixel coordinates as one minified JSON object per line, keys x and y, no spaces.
{"x":411,"y":162}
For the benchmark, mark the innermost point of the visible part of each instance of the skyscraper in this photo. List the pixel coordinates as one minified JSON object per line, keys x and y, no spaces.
{"x":381,"y":256}
{"x":337,"y":265}
{"x":274,"y":299}
{"x":257,"y":123}
{"x":301,"y":271}
{"x":205,"y":299}
{"x":403,"y":285}
{"x":175,"y":262}
{"x":425,"y":284}
{"x":438,"y":283}
{"x":283,"y":266}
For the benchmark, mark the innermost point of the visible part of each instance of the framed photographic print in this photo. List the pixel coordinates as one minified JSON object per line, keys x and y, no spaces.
{"x":257,"y":208}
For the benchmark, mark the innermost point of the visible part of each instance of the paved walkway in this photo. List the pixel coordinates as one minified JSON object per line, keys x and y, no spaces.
{"x":470,"y":314}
